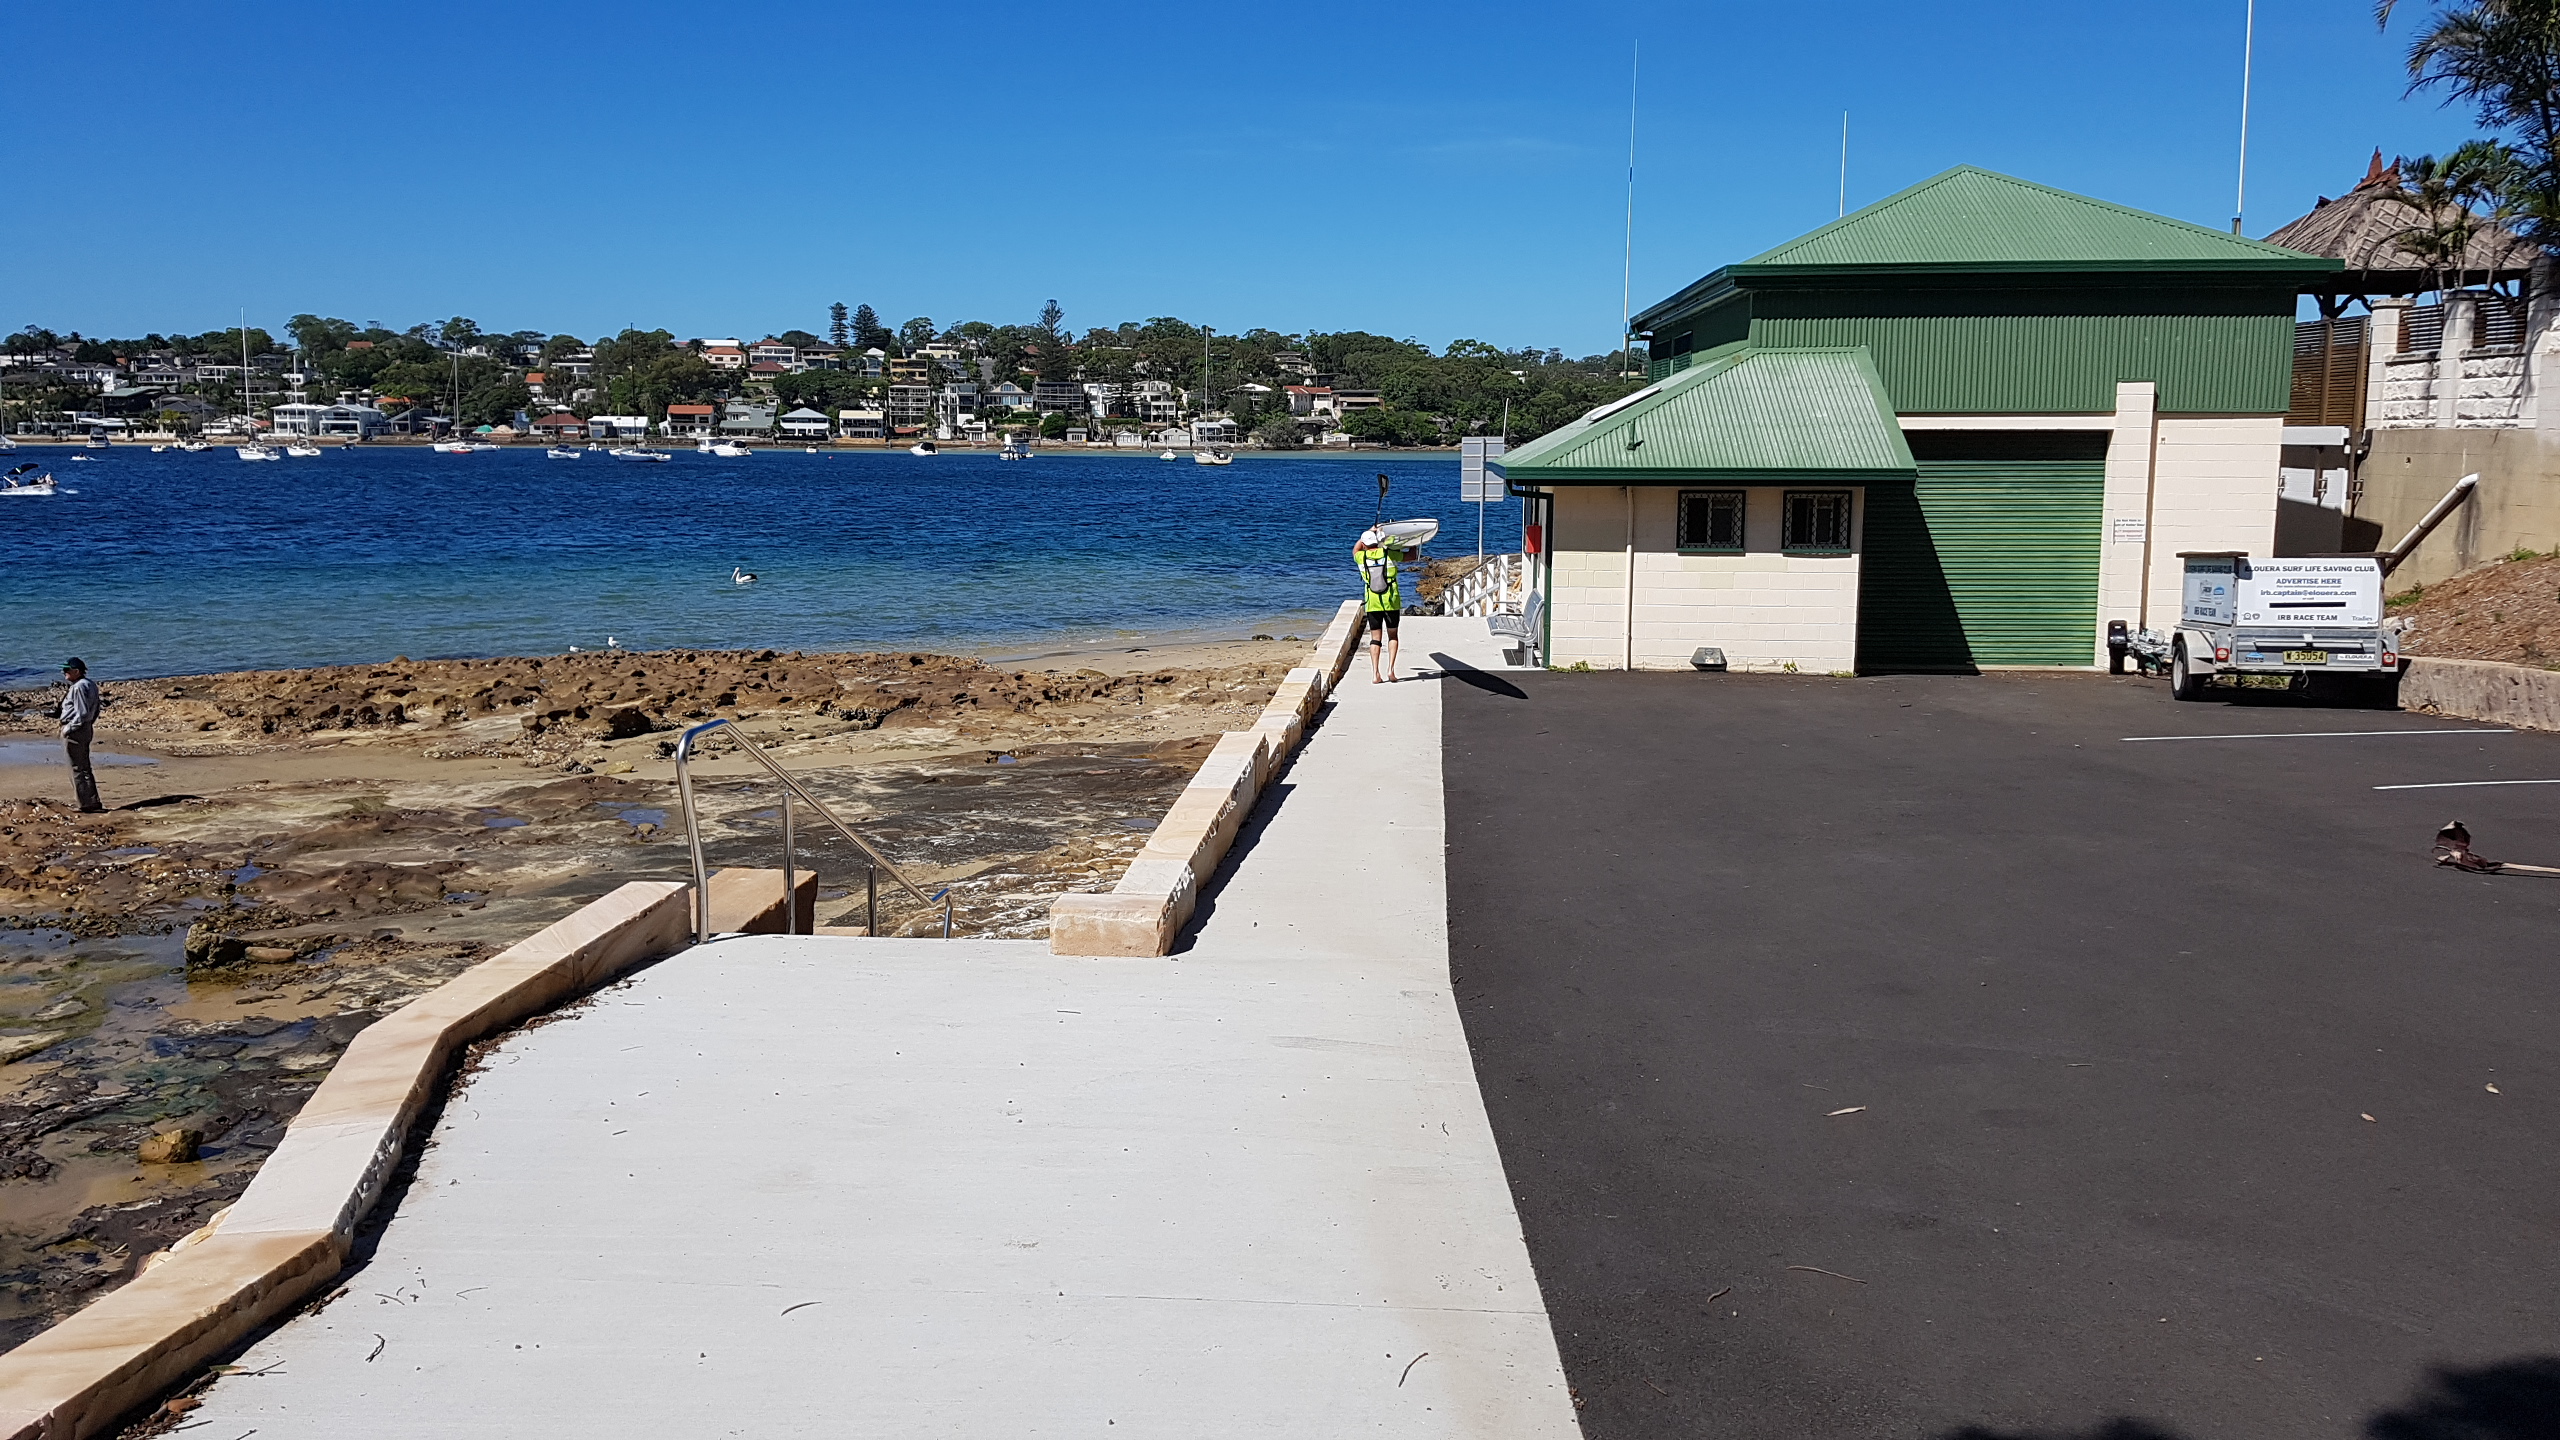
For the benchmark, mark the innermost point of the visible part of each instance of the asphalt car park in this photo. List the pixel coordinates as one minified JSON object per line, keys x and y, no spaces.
{"x":2020,"y":1055}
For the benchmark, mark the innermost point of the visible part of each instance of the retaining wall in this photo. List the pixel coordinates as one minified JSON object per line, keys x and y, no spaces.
{"x":1144,"y":913}
{"x":2517,"y":695}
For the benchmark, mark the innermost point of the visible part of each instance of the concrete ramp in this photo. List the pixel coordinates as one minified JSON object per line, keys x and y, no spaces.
{"x":790,"y":1185}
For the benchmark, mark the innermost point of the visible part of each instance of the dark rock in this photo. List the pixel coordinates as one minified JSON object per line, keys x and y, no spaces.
{"x":170,"y":1147}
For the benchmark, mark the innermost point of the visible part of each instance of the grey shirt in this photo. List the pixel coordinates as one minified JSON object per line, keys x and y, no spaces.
{"x":80,"y":705}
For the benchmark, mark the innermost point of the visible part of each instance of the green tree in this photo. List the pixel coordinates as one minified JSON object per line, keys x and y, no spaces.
{"x":868,"y":332}
{"x":2443,"y":191}
{"x":1280,"y":432}
{"x":1055,"y":424}
{"x":319,"y":337}
{"x":839,"y":328}
{"x":797,"y":339}
{"x":915,"y":335}
{"x":1055,"y":349}
{"x":2503,"y":58}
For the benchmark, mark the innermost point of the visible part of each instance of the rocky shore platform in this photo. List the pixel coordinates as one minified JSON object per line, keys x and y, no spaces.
{"x":292,"y":854}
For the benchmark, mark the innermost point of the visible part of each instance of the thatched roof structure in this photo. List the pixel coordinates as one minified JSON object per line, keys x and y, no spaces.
{"x":2363,"y":228}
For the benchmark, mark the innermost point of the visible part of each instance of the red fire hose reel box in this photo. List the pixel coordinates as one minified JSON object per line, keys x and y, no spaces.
{"x":1532,"y":539}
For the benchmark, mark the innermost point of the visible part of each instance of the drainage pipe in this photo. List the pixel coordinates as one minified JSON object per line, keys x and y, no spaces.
{"x":2451,"y":502}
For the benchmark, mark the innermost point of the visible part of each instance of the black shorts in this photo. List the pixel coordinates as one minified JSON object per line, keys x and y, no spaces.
{"x":1384,"y":619}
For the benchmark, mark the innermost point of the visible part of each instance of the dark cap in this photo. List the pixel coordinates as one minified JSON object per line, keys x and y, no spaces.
{"x":75,"y":663}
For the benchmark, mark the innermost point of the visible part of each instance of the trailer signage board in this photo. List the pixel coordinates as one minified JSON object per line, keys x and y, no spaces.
{"x":2321,"y":593}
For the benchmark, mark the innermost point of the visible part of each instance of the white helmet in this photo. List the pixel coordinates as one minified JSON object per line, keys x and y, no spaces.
{"x":1372,"y":538}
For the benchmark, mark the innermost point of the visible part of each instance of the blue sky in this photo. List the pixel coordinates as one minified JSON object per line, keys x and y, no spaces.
{"x":1433,"y":171}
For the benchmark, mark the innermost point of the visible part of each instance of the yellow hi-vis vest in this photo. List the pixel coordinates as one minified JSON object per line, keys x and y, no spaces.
{"x":1373,"y":599}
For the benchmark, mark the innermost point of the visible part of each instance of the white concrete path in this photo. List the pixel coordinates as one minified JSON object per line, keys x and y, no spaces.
{"x":791,"y":1186}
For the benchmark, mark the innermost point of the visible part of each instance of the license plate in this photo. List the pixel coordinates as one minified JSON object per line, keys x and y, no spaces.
{"x":2306,"y":657}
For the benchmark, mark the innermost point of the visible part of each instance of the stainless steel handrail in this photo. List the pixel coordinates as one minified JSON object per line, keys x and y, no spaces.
{"x":790,"y":874}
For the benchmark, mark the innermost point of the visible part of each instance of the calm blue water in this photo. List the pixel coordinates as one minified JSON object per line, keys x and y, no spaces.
{"x":176,"y":564}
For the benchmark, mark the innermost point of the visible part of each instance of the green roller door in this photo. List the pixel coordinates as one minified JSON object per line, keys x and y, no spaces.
{"x":1983,"y":562}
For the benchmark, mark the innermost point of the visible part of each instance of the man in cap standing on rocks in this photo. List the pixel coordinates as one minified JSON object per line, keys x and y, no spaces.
{"x":79,"y":722}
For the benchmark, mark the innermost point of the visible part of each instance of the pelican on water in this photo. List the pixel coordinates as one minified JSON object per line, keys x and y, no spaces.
{"x":740,"y":576}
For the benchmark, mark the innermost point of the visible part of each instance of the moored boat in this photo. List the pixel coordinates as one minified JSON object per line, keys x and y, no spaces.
{"x":558,"y":453}
{"x":638,"y":453}
{"x":257,"y":452}
{"x":1213,"y":457}
{"x":922,"y":447}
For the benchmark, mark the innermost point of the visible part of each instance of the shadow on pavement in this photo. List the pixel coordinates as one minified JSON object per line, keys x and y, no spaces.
{"x":158,"y":800}
{"x":1484,"y":680}
{"x":2510,"y":1400}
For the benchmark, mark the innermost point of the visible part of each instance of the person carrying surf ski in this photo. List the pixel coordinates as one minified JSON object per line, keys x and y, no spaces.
{"x":1381,"y":596}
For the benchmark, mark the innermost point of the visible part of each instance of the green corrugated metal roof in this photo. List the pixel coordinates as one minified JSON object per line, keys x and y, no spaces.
{"x":1740,"y":412}
{"x":1974,"y":219}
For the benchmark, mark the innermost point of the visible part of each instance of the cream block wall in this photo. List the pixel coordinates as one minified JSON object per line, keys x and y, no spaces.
{"x":2215,"y":490}
{"x":2128,"y":487}
{"x":1764,"y":609}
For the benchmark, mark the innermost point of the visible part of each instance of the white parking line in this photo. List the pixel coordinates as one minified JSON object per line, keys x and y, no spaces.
{"x":2464,"y":784}
{"x":2312,"y":735}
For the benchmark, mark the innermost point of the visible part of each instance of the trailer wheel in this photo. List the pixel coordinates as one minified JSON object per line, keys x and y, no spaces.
{"x":2184,"y":683}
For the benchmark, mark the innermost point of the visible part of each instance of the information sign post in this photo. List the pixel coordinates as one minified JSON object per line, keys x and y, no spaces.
{"x":1476,"y":483}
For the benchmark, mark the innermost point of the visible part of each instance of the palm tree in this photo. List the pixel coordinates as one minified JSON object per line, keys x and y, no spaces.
{"x":2503,"y":56}
{"x":2441,"y":191}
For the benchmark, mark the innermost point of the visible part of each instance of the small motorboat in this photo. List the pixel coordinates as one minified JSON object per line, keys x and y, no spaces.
{"x":258,"y":452}
{"x":558,"y":453}
{"x":1014,"y":449}
{"x":922,"y":447}
{"x":812,"y":449}
{"x":1170,"y":455}
{"x":1213,"y":457}
{"x":642,"y":453}
{"x":94,"y":442}
{"x":192,"y":447}
{"x":16,"y":481}
{"x":453,"y":447}
{"x":7,"y":445}
{"x":302,"y":452}
{"x":159,"y":449}
{"x":79,"y":459}
{"x":730,"y":450}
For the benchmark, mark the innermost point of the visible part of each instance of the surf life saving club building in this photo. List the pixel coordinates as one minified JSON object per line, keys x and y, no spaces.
{"x":1961,"y":428}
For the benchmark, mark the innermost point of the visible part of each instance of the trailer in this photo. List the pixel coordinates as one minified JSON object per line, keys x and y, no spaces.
{"x":2319,"y":617}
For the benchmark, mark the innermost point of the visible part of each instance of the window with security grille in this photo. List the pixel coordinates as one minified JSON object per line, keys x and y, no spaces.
{"x":1711,"y":520}
{"x":1816,"y":521}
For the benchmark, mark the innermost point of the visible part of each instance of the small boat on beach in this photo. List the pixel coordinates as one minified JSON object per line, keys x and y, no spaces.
{"x":257,"y":452}
{"x":642,"y":453}
{"x":558,"y":453}
{"x":16,"y":481}
{"x":922,"y":447}
{"x":1213,"y":457}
